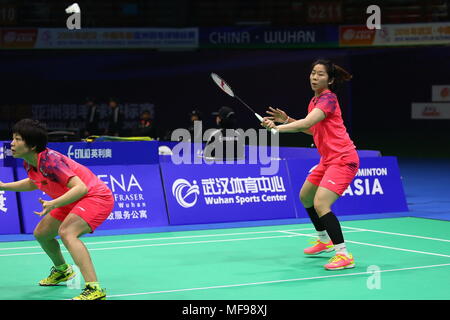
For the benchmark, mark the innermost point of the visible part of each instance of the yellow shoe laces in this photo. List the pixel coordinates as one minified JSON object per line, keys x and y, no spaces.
{"x":314,"y":241}
{"x":336,"y":258}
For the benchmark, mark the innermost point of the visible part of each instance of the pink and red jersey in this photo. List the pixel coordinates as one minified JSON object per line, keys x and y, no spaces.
{"x":330,"y":135}
{"x":54,"y":171}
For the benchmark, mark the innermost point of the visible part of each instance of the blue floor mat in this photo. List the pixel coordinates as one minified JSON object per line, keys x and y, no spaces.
{"x":426,"y":184}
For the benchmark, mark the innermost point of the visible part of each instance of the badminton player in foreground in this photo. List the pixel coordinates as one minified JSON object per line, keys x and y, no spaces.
{"x":338,"y":164}
{"x":80,"y":203}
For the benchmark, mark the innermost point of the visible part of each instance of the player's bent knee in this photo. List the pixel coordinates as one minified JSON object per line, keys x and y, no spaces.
{"x":66,"y":234}
{"x":307,"y":203}
{"x":38,"y":234}
{"x":42,"y":234}
{"x":321,"y":208}
{"x":306,"y":199}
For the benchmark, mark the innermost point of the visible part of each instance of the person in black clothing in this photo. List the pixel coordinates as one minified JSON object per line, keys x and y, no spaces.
{"x":195,"y":115}
{"x":146,"y":126}
{"x":92,"y":118}
{"x":224,"y":143}
{"x":116,"y":117}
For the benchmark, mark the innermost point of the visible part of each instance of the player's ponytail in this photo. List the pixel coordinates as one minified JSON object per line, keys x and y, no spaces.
{"x":336,"y":74}
{"x":341,"y":74}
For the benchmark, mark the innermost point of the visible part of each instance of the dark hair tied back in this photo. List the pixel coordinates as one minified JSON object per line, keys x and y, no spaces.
{"x":336,"y":74}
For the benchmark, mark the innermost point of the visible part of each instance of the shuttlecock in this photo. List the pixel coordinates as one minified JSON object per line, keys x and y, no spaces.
{"x":74,"y":8}
{"x":164,"y":150}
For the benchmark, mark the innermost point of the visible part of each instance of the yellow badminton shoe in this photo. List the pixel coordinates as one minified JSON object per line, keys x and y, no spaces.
{"x":319,"y":247}
{"x":340,"y":261}
{"x":91,"y":293}
{"x":56,"y":276}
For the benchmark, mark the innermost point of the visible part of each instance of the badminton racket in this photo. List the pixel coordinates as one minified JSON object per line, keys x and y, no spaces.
{"x":227,"y":89}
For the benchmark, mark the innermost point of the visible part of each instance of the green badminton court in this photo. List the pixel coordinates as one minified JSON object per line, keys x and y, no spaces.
{"x":396,"y":258}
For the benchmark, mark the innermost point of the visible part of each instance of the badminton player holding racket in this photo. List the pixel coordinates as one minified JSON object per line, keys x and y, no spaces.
{"x":81,"y":202}
{"x":338,"y":164}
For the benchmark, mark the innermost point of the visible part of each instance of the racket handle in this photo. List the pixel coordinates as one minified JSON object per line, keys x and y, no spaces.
{"x":273,"y":130}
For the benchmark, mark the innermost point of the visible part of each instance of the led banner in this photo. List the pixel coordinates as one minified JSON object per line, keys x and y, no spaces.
{"x":98,"y":153}
{"x":440,"y":93}
{"x":269,"y":37}
{"x":252,"y":153}
{"x":377,"y":187}
{"x":98,"y":38}
{"x":312,"y":153}
{"x":9,"y":215}
{"x":6,"y":158}
{"x":430,"y":110}
{"x":109,"y":153}
{"x":395,"y":34}
{"x":210,"y":193}
{"x":138,"y":193}
{"x":18,"y":38}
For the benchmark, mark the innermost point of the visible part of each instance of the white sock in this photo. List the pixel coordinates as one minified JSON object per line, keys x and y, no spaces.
{"x":323,"y":236}
{"x":341,"y":248}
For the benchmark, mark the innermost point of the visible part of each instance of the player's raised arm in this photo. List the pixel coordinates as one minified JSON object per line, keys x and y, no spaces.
{"x":280,"y":116}
{"x":21,"y":185}
{"x":299,"y":125}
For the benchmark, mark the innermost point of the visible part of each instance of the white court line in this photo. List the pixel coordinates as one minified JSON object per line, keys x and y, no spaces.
{"x":400,"y":249}
{"x":170,"y":238}
{"x":276,"y":281}
{"x":386,"y":247}
{"x":291,"y":234}
{"x":232,"y":234}
{"x":314,"y":234}
{"x":397,"y":234}
{"x":159,"y":244}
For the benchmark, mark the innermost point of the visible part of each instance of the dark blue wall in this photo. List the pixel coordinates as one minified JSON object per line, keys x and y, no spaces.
{"x":378,"y":99}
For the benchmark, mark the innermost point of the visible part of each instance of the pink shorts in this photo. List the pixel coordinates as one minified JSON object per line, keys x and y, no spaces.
{"x":92,"y":209}
{"x":338,"y":175}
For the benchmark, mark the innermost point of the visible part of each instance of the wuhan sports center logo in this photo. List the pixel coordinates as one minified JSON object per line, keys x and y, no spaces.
{"x":182,"y":191}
